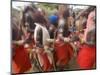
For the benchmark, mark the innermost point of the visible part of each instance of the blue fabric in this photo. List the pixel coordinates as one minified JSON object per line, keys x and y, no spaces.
{"x":53,"y":19}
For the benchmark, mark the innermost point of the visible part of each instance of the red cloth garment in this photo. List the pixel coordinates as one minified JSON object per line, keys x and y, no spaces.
{"x":21,"y":60}
{"x":86,"y":57}
{"x":44,"y":61}
{"x":15,"y":68}
{"x":63,"y":53}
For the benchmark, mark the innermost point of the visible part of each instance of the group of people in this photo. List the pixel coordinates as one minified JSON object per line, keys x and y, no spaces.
{"x":42,"y":43}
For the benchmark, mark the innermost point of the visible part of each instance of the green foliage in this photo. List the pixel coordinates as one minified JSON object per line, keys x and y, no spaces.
{"x":49,"y":8}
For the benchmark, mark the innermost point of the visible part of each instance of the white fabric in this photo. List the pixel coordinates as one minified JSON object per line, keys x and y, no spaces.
{"x":45,"y":33}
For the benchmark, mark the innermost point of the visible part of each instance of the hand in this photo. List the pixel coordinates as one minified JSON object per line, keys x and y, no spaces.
{"x":19,"y":42}
{"x":66,"y":39}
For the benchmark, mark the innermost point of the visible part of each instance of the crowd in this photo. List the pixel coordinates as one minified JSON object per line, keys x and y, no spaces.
{"x":64,"y":40}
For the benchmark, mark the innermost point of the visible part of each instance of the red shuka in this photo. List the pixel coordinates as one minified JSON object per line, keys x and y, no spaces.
{"x":20,"y":61}
{"x":86,"y":57}
{"x":63,"y":53}
{"x":47,"y":66}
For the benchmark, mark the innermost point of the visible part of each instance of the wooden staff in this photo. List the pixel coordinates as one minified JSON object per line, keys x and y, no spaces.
{"x":53,"y":52}
{"x":34,"y":56}
{"x":37,"y":60}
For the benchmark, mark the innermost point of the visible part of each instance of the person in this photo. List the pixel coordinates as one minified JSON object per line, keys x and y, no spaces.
{"x":27,"y":24}
{"x":87,"y":54}
{"x":90,"y":22}
{"x":34,"y":23}
{"x":41,"y":35}
{"x":20,"y":59}
{"x":63,"y":49}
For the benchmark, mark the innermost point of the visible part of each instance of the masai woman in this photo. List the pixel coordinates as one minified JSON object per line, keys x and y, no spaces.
{"x":63,"y":50}
{"x":87,"y":54}
{"x":41,"y":35}
{"x":20,"y":59}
